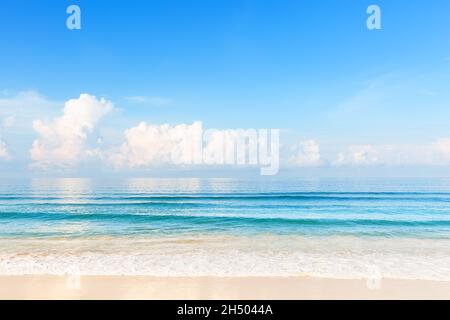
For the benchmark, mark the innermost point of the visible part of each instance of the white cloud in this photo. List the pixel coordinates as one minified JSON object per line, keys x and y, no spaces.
{"x":150,"y":101}
{"x":149,"y":145}
{"x":358,"y":155}
{"x":436,"y":153}
{"x":4,"y":154}
{"x":305,"y":154}
{"x":27,"y":102}
{"x":21,"y":108}
{"x":5,"y":124}
{"x":21,"y":99}
{"x":62,"y":142}
{"x":442,"y":147}
{"x":18,"y":109}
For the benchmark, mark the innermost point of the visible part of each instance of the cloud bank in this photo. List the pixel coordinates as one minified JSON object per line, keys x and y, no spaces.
{"x":148,"y":145}
{"x":435,"y":153}
{"x":70,"y":139}
{"x":305,"y":154}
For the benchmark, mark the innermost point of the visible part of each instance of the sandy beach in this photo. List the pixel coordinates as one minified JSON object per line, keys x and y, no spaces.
{"x":132,"y":287}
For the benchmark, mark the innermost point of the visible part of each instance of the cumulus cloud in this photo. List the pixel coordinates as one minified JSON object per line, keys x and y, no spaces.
{"x":305,"y":154}
{"x":148,"y":145}
{"x":151,"y":145}
{"x":62,"y":142}
{"x":435,"y":153}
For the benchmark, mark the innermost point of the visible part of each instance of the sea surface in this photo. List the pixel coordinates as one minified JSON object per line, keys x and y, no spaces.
{"x":340,"y":228}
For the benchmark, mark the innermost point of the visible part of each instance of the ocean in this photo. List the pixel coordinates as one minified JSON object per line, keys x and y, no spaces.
{"x":338,"y":228}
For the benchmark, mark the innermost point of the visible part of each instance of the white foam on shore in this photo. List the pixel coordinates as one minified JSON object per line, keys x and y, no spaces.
{"x":337,"y":257}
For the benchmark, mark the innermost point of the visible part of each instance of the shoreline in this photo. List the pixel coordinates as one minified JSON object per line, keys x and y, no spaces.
{"x":31,"y":287}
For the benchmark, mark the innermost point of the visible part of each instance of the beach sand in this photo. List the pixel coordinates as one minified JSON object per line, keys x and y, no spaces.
{"x":142,"y":287}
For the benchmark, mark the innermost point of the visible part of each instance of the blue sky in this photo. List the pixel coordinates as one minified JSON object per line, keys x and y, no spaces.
{"x":310,"y":68}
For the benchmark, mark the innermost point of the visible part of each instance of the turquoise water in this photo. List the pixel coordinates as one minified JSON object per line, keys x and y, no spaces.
{"x":147,"y":207}
{"x":325,"y":227}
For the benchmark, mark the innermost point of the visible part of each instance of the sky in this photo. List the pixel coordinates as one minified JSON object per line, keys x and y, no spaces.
{"x":122,"y":93}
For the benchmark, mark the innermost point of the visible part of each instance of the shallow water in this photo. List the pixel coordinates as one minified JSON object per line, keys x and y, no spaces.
{"x":329,"y":227}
